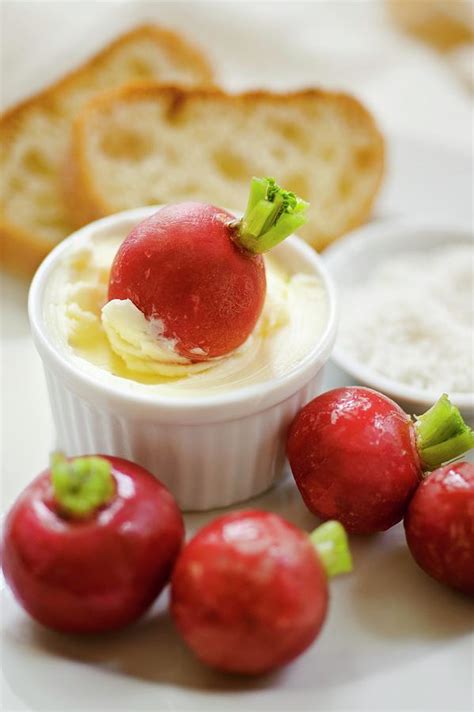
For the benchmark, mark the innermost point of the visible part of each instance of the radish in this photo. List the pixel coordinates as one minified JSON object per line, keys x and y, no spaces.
{"x":249,"y":592}
{"x":197,"y":273}
{"x":439,"y":526}
{"x":357,"y":457}
{"x":90,"y":543}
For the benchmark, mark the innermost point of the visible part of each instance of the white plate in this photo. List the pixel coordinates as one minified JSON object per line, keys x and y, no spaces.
{"x":394,"y":639}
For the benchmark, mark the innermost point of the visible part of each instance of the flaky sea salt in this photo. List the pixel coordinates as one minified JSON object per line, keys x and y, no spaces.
{"x":412,"y":320}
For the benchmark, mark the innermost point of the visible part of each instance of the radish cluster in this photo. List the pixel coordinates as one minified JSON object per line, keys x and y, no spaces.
{"x":92,"y":541}
{"x":358,"y":458}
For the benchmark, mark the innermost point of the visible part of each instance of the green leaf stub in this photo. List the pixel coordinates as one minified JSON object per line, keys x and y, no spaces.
{"x":81,"y":485}
{"x":441,"y":434}
{"x":272,"y":214}
{"x":331,"y":543}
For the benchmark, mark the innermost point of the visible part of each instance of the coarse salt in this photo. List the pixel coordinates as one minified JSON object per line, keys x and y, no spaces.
{"x":412,"y":320}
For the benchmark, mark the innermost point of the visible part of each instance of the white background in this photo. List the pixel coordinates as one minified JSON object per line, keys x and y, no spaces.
{"x":338,"y":43}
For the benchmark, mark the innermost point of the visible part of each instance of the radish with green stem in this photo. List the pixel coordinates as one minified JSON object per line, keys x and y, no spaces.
{"x":90,"y":543}
{"x":357,"y":457}
{"x":249,"y":592}
{"x":197,"y":274}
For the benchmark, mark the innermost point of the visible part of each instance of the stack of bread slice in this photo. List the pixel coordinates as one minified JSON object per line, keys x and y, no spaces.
{"x":34,"y":136}
{"x":142,"y":124}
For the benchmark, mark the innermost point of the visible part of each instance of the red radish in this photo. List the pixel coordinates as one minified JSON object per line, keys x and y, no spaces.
{"x":249,"y":592}
{"x":90,"y":544}
{"x":198,"y":272}
{"x":439,"y":526}
{"x":357,"y":457}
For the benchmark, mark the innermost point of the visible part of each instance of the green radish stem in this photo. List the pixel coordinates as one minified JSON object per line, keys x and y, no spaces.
{"x":441,"y":434}
{"x":81,"y":485}
{"x":272,"y":214}
{"x":330,"y":541}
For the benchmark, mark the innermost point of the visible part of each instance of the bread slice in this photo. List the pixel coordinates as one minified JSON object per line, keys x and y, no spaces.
{"x":148,"y":144}
{"x":444,"y":24}
{"x":35,"y":134}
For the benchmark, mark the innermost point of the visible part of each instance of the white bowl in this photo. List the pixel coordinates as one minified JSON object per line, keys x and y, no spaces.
{"x":353,"y":258}
{"x":211,"y":451}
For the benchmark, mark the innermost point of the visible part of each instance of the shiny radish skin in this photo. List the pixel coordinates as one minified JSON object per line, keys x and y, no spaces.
{"x":196,"y":272}
{"x":439,"y":526}
{"x":97,"y":573}
{"x":182,"y":268}
{"x":249,"y":593}
{"x":354,"y":458}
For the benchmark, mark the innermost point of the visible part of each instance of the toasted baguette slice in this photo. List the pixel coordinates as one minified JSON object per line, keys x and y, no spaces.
{"x":444,"y":24}
{"x":148,"y":144}
{"x":34,"y":136}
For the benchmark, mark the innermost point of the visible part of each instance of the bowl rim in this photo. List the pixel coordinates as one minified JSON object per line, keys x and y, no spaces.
{"x":252,"y":398}
{"x":361,"y":239}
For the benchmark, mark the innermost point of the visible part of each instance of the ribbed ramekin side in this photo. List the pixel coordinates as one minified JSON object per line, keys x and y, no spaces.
{"x":205,"y":466}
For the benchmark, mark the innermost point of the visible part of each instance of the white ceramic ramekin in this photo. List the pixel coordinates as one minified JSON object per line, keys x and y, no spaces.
{"x":211,"y":451}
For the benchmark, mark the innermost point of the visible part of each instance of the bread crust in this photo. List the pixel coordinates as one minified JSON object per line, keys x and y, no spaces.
{"x":86,"y":203}
{"x":21,"y":250}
